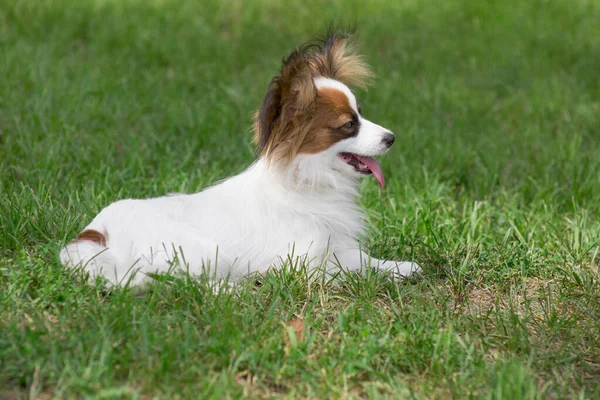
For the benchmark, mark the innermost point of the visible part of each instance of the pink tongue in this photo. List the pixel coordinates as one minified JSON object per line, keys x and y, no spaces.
{"x":374,"y":167}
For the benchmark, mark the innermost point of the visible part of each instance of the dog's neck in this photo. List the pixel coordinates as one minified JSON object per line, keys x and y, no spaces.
{"x":308,"y":178}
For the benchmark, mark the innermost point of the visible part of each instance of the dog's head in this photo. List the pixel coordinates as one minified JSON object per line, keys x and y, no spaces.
{"x":310,"y":121}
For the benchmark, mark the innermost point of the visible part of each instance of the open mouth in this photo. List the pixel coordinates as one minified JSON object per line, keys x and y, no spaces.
{"x":364,"y":165}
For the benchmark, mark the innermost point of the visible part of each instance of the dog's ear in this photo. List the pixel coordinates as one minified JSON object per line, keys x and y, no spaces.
{"x":290,"y":94}
{"x":297,"y":86}
{"x":266,"y":118}
{"x":338,"y":59}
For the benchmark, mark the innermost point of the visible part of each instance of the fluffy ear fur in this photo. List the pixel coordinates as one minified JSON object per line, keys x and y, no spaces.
{"x":267,"y":116}
{"x":298,"y":88}
{"x":291,"y":95}
{"x":337,"y":59}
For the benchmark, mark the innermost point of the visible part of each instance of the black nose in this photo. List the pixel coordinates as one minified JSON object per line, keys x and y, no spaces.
{"x":388,"y":139}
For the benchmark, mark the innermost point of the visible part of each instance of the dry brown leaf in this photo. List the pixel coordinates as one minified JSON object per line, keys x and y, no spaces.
{"x":297,"y":325}
{"x":295,"y":328}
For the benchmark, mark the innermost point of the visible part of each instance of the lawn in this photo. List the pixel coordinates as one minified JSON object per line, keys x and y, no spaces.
{"x":493,"y":187}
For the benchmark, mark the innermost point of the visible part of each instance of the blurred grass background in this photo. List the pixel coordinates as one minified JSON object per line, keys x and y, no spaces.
{"x":493,"y":185}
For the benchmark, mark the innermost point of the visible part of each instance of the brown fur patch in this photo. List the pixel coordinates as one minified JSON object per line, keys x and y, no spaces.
{"x":290,"y":99}
{"x":331,"y":113}
{"x":320,"y":130}
{"x":93,"y":236}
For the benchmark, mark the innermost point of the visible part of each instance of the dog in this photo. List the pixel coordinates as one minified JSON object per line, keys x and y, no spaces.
{"x":297,"y":201}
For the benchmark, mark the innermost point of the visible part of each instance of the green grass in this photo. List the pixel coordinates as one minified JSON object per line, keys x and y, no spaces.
{"x":494,"y":187}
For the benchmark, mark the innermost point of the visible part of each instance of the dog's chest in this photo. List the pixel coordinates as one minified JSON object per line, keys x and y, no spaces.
{"x":306,"y":229}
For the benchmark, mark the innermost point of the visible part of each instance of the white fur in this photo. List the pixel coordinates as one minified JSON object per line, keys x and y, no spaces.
{"x":249,"y":223}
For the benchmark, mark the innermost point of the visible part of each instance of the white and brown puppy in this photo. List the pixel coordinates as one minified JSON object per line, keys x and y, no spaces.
{"x":297,"y":200}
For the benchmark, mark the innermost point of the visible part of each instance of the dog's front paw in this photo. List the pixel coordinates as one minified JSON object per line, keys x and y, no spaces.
{"x":401,"y":269}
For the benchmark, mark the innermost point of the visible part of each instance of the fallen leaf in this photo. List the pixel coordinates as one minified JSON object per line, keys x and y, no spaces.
{"x":295,"y":329}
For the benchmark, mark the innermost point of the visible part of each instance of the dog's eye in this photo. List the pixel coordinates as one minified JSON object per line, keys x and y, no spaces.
{"x":348,"y":125}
